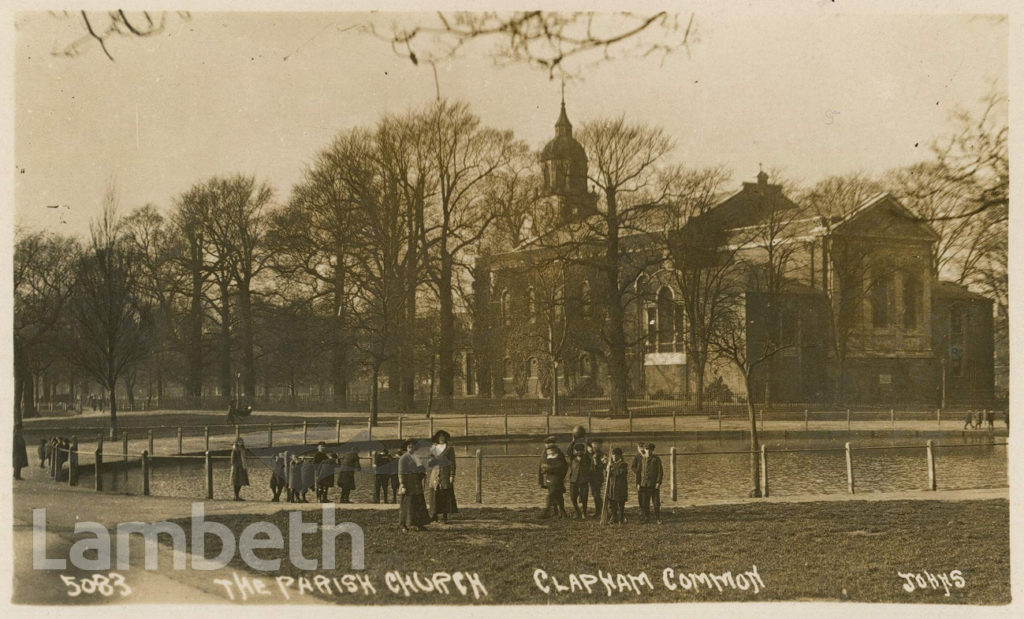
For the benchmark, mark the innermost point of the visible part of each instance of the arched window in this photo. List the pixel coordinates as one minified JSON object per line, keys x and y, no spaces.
{"x":509,"y":369}
{"x":911,"y":301}
{"x":506,"y":308}
{"x":585,"y":365}
{"x":531,"y":304}
{"x":585,"y":298}
{"x":531,"y":368}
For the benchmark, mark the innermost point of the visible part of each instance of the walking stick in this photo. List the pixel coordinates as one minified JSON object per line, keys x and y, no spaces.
{"x":607,"y":488}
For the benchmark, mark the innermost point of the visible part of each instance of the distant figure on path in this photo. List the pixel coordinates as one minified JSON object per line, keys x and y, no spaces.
{"x":239,"y":468}
{"x":441,"y":477}
{"x":347,"y":473}
{"x":969,"y":420}
{"x":618,"y":487}
{"x":412,"y":510}
{"x":990,"y":418}
{"x":20,"y":455}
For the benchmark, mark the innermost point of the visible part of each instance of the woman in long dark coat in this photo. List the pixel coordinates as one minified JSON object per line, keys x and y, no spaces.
{"x":294,"y":472}
{"x":20,"y":454}
{"x":239,"y":468}
{"x":308,"y":477}
{"x":441,"y":477}
{"x":412,"y":511}
{"x":277,"y":476}
{"x":347,"y":474}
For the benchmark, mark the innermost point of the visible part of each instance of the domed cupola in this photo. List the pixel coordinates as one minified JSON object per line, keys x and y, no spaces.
{"x":564,"y":161}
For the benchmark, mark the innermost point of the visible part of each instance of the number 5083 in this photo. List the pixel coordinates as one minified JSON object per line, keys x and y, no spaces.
{"x":102,"y":584}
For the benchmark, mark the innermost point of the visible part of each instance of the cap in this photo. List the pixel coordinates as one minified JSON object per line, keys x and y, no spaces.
{"x":650,"y":445}
{"x":550,"y":440}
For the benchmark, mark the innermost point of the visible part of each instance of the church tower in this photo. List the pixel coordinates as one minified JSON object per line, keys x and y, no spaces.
{"x":564,"y":165}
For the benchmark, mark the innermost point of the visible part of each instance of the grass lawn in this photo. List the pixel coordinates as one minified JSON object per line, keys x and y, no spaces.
{"x":823,"y":551}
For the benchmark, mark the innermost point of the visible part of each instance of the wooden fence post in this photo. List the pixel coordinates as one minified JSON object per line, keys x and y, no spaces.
{"x":630,"y":411}
{"x":806,"y":420}
{"x":179,"y":440}
{"x":209,"y":476}
{"x":849,"y":469}
{"x":73,"y":462}
{"x":369,"y":429}
{"x":305,"y":431}
{"x":938,"y":417}
{"x":762,"y":419}
{"x":431,"y":425}
{"x":337,"y":430}
{"x":98,"y":462}
{"x":764,"y":470}
{"x":892,"y":419}
{"x":719,"y":424}
{"x":590,"y":423}
{"x":237,"y":433}
{"x":465,"y":419}
{"x":479,"y":476}
{"x":145,"y":473}
{"x":672,"y":471}
{"x":547,"y":424}
{"x":149,"y":437}
{"x":673,"y":420}
{"x":270,"y":435}
{"x":506,"y":425}
{"x":931,"y":466}
{"x":399,"y":428}
{"x":847,"y":421}
{"x":206,"y":437}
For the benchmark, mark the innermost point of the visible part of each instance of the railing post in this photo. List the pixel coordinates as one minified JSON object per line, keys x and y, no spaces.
{"x":931,"y":466}
{"x":237,"y":434}
{"x":719,"y":424}
{"x":479,"y":476}
{"x":149,"y":440}
{"x":806,"y":420}
{"x":849,"y":469}
{"x":938,"y":417}
{"x":547,"y":424}
{"x":305,"y":431}
{"x":847,"y":420}
{"x":399,"y":428}
{"x":506,"y":424}
{"x":73,"y":462}
{"x":270,"y":435}
{"x":206,"y":437}
{"x":145,"y":473}
{"x":764,"y":470}
{"x":431,"y":425}
{"x":673,"y":420}
{"x":209,"y":476}
{"x":337,"y":430}
{"x":672,"y":470}
{"x":98,"y":462}
{"x":465,"y":420}
{"x":892,"y":419}
{"x":630,"y":411}
{"x":762,"y":419}
{"x":369,"y":428}
{"x":179,"y":440}
{"x":124,"y":449}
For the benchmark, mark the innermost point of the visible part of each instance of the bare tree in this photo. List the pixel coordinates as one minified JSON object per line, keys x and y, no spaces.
{"x":107,"y":315}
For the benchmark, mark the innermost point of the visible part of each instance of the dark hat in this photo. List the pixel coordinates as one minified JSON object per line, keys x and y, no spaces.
{"x":579,"y":447}
{"x":551,"y":440}
{"x":579,"y":432}
{"x":650,"y":445}
{"x":617,"y":451}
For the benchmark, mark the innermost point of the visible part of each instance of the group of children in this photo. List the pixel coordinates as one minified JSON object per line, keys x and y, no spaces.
{"x":296,"y":475}
{"x":321,"y":471}
{"x":975,"y":421}
{"x":589,"y":471}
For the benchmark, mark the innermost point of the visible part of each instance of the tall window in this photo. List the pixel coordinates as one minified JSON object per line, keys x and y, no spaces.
{"x":881,"y":296}
{"x":585,"y":297}
{"x":531,"y":304}
{"x":911,"y":301}
{"x":652,"y":328}
{"x":956,"y":341}
{"x":666,"y":318}
{"x":585,"y":366}
{"x":506,"y":308}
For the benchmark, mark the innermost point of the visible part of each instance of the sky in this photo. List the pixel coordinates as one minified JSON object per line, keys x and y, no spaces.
{"x":261,"y":93}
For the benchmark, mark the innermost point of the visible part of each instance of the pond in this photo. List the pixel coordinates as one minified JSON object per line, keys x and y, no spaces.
{"x":703,"y":472}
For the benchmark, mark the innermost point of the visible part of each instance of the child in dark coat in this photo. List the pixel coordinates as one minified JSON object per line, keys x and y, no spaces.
{"x":618,"y":486}
{"x":580,"y":468}
{"x":552,"y":477}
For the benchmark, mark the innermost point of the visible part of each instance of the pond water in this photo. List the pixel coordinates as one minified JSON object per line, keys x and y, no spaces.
{"x":702,"y":472}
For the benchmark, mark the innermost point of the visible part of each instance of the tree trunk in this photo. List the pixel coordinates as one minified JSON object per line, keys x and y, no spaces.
{"x":113,"y":408}
{"x":194,"y":343}
{"x":446,"y":347}
{"x":374,"y":395}
{"x":755,"y":462}
{"x":225,"y":344}
{"x":19,"y":379}
{"x":248,"y":354}
{"x":28,"y":406}
{"x":617,"y":368}
{"x":699,"y":365}
{"x":339,"y":356}
{"x":408,"y":340}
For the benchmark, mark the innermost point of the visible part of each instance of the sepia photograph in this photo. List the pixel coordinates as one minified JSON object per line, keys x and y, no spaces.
{"x":441,"y":308}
